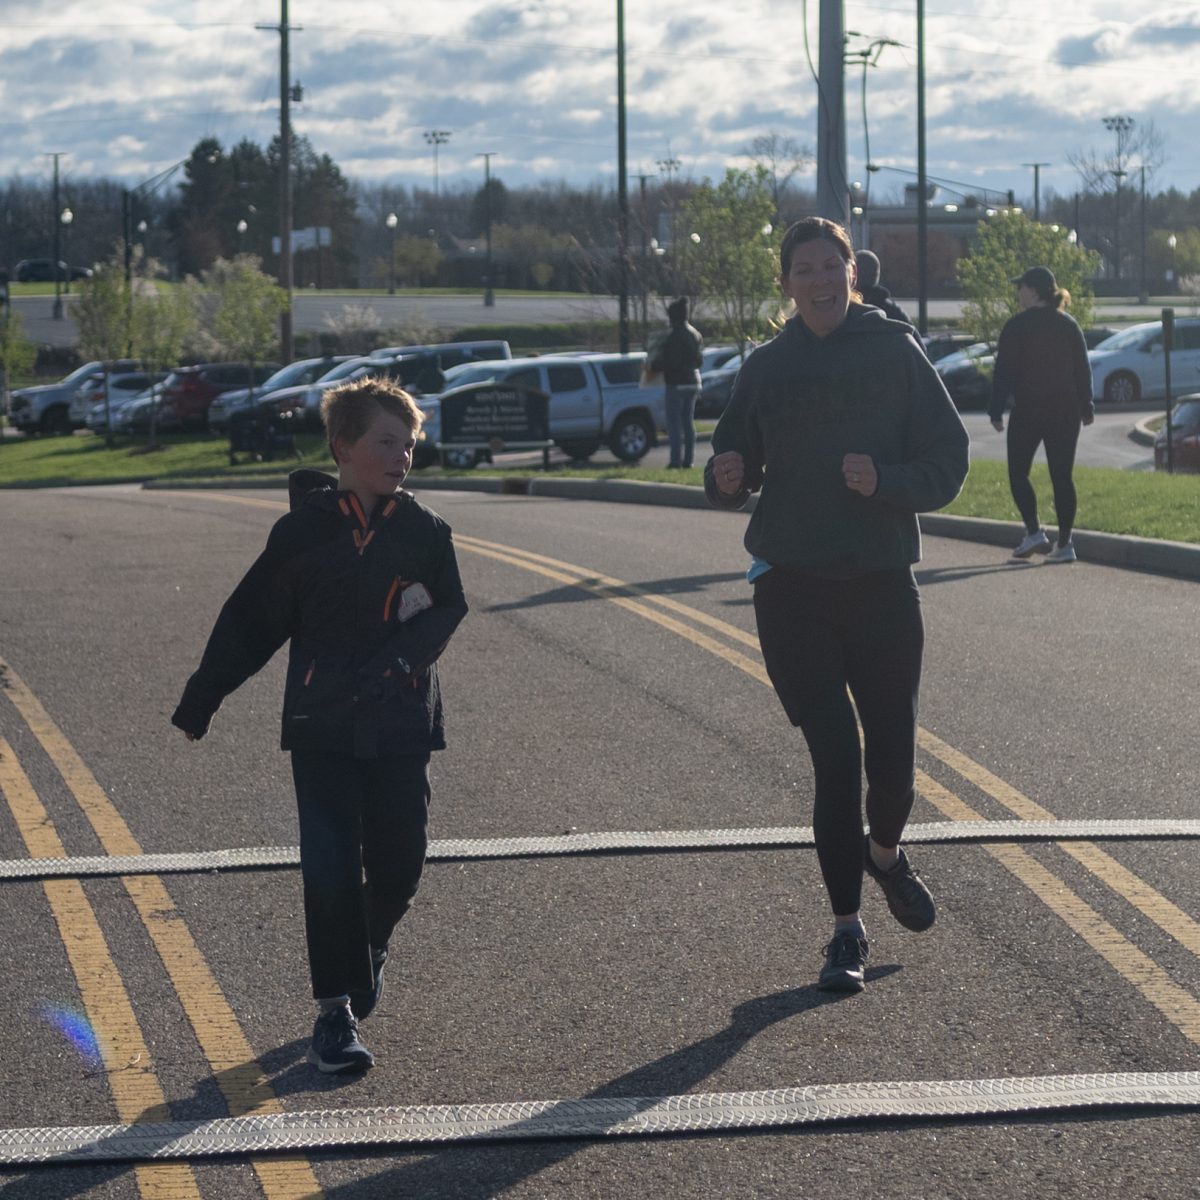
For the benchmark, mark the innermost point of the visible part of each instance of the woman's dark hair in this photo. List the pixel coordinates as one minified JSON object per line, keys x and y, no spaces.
{"x":808,"y":230}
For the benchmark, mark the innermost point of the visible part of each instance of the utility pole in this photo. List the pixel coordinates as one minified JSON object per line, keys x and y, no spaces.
{"x":286,"y":343}
{"x":57,"y":311}
{"x":1144,"y":292}
{"x":1037,"y":192}
{"x":436,"y":138}
{"x":489,"y":296}
{"x":622,"y":191}
{"x":833,"y":196}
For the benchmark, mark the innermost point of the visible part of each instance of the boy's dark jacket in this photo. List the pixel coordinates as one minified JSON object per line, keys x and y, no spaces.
{"x":358,"y":681}
{"x":800,"y":404}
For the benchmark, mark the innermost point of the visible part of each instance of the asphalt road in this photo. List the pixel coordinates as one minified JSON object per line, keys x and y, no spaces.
{"x":623,"y":974}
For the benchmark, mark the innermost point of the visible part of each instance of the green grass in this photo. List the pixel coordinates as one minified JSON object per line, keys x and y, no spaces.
{"x":60,"y":462}
{"x":1146,"y":504}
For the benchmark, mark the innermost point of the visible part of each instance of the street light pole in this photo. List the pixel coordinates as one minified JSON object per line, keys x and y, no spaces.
{"x":65,"y":218}
{"x":391,"y":221}
{"x":489,"y":296}
{"x":622,"y":191}
{"x":57,"y":311}
{"x":1037,"y":190}
{"x":1120,"y":125}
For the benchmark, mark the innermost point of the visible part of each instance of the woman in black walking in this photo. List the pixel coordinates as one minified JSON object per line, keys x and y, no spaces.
{"x":849,"y":432}
{"x":1042,"y":367}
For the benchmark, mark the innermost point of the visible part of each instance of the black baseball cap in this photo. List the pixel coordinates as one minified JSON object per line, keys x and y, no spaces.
{"x":1041,"y":279}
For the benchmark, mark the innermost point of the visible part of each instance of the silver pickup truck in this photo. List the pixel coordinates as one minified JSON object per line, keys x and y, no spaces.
{"x":58,"y":408}
{"x":595,"y":400}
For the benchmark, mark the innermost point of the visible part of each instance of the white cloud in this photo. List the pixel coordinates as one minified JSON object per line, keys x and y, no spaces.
{"x":129,"y":87}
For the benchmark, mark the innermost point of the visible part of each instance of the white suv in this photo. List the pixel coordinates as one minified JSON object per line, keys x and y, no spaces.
{"x":1130,"y":365}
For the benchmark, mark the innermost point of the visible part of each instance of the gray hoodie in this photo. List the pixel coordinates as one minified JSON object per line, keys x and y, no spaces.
{"x":800,"y":404}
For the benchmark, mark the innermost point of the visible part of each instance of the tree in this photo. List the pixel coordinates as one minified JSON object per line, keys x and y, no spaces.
{"x":417,"y":259}
{"x":727,"y":251}
{"x":246,"y":310}
{"x":104,"y":318}
{"x":782,"y":158}
{"x":163,"y":322}
{"x":1008,"y":244}
{"x":17,"y":354}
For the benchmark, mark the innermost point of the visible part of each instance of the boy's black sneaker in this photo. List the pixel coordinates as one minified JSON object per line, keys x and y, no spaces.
{"x":335,"y":1045}
{"x":845,"y":958}
{"x":906,"y":895}
{"x":362,"y":1004}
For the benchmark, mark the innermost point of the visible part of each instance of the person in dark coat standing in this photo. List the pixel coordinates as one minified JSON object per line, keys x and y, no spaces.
{"x":1042,"y":367}
{"x":871,"y":291}
{"x":678,"y":358}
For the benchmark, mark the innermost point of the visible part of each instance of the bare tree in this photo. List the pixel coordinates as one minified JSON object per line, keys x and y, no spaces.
{"x":1143,"y":145}
{"x":782,"y":158}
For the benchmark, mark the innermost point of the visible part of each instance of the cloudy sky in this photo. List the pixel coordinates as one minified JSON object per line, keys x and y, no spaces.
{"x":126,"y":89}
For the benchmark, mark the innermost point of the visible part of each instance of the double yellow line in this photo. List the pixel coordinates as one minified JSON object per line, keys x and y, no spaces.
{"x":127,"y":1062}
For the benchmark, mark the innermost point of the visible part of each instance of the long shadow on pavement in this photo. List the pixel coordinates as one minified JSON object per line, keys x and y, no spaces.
{"x":487,"y":1170}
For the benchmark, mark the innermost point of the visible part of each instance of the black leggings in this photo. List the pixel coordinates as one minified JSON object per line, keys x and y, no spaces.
{"x":362,"y":851}
{"x":1061,"y":435}
{"x":818,"y":637}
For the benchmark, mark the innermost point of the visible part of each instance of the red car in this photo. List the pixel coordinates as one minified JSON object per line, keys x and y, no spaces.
{"x":188,"y":391}
{"x":1185,"y":436}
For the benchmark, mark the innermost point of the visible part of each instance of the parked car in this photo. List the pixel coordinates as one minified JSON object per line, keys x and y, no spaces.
{"x":453,"y":353}
{"x":1097,"y":335}
{"x":939,"y":345}
{"x":304,"y":402}
{"x":188,"y":391}
{"x":712,"y":357}
{"x":716,"y":386}
{"x":1185,"y":437}
{"x":104,"y":407}
{"x":967,"y":374}
{"x":41,"y":270}
{"x":595,"y":399}
{"x":1130,"y":366}
{"x":54,"y":408}
{"x":297,"y":374}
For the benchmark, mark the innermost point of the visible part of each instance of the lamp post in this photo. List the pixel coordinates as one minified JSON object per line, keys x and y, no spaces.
{"x":1120,"y":125}
{"x":241,"y":228}
{"x":57,"y":310}
{"x":1037,"y":188}
{"x":489,"y":296}
{"x":65,"y":218}
{"x":1172,"y":242}
{"x":391,"y":221}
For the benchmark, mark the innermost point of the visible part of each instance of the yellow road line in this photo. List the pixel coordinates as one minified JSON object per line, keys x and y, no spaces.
{"x":238,"y":1074}
{"x":1167,"y":916}
{"x":1130,"y":962}
{"x":128,"y":1066}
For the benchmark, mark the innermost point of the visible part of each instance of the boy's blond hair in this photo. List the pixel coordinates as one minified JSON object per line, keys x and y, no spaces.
{"x":348,"y":409}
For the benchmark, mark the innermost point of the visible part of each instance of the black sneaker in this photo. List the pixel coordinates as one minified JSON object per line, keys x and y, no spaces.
{"x":335,"y":1045}
{"x":845,"y":958}
{"x":906,"y":895}
{"x":362,"y":1004}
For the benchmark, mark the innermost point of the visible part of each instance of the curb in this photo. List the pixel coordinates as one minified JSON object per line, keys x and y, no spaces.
{"x":1181,"y":559}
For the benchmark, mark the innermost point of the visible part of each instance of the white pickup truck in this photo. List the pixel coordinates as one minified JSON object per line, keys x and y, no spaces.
{"x":58,"y":408}
{"x":595,"y":400}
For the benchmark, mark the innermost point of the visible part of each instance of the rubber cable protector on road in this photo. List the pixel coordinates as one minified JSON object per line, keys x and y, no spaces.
{"x":632,"y":1116}
{"x":460,"y":849}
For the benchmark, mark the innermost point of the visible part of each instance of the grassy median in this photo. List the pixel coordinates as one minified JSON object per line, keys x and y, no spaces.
{"x":1146,"y":504}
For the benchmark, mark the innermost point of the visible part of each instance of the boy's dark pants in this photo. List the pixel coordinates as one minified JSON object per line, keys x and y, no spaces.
{"x":358,"y":817}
